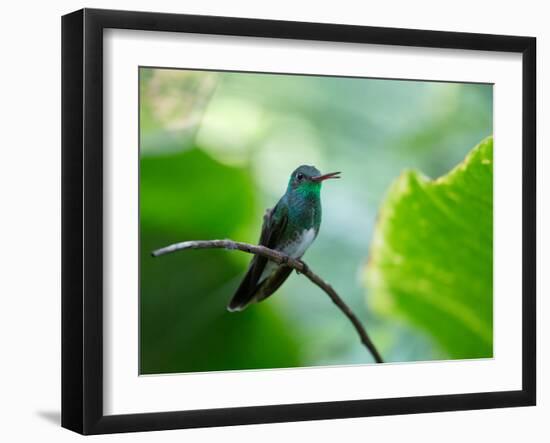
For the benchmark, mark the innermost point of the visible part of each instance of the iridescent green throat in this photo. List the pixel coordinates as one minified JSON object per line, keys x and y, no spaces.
{"x":304,"y":205}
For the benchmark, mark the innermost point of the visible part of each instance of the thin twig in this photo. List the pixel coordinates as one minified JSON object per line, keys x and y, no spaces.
{"x":282,"y":259}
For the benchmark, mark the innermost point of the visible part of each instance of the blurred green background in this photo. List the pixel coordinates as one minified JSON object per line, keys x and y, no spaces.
{"x":216,"y":150}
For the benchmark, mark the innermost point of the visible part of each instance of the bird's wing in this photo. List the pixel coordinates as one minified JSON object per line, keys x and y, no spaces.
{"x":273,"y":282}
{"x":274,"y":225}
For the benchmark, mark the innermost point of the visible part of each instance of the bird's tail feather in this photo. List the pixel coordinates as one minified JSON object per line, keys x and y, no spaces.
{"x":244,"y":295}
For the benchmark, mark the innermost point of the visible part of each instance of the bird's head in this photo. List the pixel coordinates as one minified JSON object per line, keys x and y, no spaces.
{"x":308,"y":179}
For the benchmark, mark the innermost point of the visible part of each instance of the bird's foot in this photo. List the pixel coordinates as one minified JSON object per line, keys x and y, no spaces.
{"x":305,"y":268}
{"x":284,"y":260}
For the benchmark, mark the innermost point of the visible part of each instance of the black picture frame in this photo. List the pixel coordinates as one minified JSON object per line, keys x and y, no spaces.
{"x":82,"y":220}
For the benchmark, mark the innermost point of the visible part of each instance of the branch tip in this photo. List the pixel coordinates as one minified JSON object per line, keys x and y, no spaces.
{"x":278,"y":257}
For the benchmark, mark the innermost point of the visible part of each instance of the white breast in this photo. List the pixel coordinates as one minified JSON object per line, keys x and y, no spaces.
{"x":298,"y":247}
{"x":294,"y":249}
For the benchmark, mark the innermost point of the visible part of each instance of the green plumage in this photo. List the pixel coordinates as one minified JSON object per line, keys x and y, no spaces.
{"x":290,"y":227}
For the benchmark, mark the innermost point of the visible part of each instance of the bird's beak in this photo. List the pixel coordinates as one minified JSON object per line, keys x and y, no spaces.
{"x":320,"y":178}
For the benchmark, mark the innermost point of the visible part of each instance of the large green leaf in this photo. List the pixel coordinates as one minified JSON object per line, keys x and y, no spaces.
{"x":431,"y":260}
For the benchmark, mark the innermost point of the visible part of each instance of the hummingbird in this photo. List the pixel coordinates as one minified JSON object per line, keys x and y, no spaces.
{"x":290,"y":227}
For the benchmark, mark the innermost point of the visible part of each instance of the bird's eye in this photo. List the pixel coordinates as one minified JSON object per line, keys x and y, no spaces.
{"x":300,"y":177}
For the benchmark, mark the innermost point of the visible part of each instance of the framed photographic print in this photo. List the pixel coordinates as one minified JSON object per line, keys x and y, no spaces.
{"x":269,"y":221}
